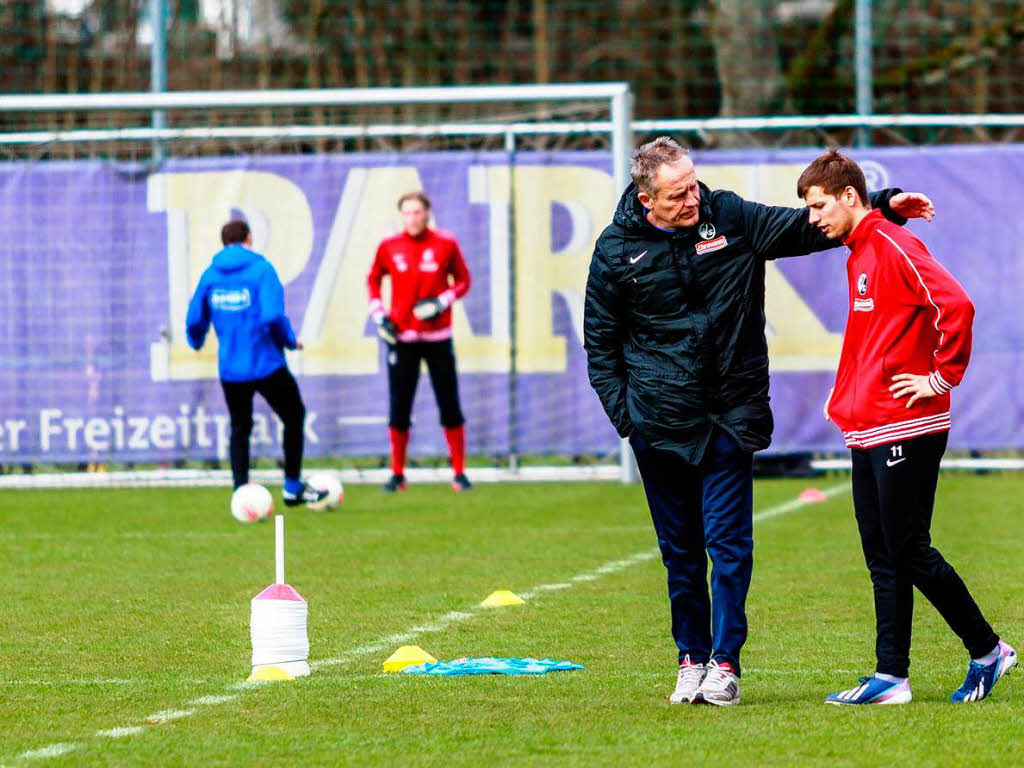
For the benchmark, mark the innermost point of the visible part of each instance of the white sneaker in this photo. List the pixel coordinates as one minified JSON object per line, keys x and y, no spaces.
{"x":720,"y":686}
{"x":690,"y":677}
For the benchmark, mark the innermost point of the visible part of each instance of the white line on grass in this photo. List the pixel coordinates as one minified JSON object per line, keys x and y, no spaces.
{"x":210,"y":701}
{"x":106,"y":536}
{"x":389,"y":641}
{"x":74,"y":681}
{"x":167,"y":715}
{"x":247,"y":685}
{"x":793,"y":504}
{"x":54,"y":750}
{"x":120,"y":733}
{"x":553,"y":587}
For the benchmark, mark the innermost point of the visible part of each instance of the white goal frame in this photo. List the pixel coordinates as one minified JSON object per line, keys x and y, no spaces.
{"x":618,"y":126}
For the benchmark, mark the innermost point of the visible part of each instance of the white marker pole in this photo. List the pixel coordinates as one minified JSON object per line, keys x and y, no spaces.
{"x":279,"y":548}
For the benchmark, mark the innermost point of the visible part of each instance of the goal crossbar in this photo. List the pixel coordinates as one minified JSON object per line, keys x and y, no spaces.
{"x":313,"y":97}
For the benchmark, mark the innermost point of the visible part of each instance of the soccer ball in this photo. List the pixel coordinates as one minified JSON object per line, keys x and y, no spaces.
{"x":327,"y":481}
{"x":251,"y":503}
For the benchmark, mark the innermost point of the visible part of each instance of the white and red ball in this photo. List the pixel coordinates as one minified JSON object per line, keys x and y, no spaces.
{"x":251,"y":503}
{"x":330,"y":482}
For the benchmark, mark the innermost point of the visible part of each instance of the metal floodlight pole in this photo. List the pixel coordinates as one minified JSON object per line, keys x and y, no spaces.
{"x":158,"y":69}
{"x":863,"y":36}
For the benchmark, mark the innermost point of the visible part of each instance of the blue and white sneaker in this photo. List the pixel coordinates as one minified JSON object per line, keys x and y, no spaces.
{"x":872,"y":690}
{"x":304,"y":493}
{"x":982,"y":678}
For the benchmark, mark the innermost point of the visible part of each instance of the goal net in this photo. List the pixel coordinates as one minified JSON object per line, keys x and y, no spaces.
{"x":106,"y":225}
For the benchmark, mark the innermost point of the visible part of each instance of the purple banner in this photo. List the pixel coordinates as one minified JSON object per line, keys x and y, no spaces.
{"x":97,"y":263}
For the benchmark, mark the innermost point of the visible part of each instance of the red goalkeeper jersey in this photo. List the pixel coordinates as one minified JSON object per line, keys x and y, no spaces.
{"x":907,"y":315}
{"x":426,"y":267}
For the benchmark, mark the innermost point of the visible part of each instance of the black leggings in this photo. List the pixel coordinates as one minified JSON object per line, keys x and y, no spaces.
{"x":404,"y":374}
{"x":281,"y":392}
{"x":893,"y":495}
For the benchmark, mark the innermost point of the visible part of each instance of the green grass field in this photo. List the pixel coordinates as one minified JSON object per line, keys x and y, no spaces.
{"x":124,"y":604}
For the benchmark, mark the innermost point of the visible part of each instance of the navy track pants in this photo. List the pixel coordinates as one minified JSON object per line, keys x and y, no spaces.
{"x":699,"y":512}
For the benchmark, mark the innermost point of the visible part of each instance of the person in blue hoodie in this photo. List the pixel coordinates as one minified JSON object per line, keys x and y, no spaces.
{"x":241,"y":294}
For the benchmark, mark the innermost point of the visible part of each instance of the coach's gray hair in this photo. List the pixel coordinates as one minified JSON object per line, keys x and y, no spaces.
{"x":647,"y":158}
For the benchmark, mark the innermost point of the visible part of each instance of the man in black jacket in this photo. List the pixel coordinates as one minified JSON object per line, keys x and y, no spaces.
{"x":674,"y":333}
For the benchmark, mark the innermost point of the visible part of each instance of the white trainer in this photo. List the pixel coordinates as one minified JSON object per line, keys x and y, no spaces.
{"x":720,"y":686}
{"x":690,"y":677}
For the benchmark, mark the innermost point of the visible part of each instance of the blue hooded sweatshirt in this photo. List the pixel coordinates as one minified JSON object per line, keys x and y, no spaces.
{"x":241,"y":293}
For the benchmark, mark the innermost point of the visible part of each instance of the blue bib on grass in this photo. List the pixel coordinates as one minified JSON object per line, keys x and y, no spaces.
{"x":491,"y":666}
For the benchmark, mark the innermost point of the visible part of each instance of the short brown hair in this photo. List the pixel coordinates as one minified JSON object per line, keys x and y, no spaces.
{"x":416,"y":194}
{"x":235,"y":231}
{"x":833,"y":172}
{"x":649,"y":157}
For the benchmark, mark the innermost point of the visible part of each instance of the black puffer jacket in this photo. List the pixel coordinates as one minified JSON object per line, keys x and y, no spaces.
{"x":674,"y":321}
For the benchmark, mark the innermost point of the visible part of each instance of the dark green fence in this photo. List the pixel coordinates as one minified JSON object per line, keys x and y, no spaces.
{"x":683,"y":58}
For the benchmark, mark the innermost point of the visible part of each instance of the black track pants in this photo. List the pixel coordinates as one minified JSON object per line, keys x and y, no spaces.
{"x":404,"y":374}
{"x":893,"y":495}
{"x":281,"y":392}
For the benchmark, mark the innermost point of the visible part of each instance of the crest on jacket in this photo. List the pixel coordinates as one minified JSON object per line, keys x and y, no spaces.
{"x":706,"y":230}
{"x":862,"y":283}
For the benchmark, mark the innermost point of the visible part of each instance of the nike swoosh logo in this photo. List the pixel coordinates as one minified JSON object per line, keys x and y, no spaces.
{"x":891,"y":463}
{"x":634,"y":261}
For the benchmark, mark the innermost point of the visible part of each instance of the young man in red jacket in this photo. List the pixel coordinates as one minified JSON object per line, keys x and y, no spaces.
{"x":427,"y":274}
{"x":907,"y":344}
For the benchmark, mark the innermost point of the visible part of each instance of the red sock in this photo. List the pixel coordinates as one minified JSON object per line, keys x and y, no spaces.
{"x":456,"y":437}
{"x":399,"y":439}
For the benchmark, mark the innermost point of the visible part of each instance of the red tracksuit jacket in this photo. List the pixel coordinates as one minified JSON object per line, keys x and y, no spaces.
{"x":419,"y":268}
{"x":907,"y":315}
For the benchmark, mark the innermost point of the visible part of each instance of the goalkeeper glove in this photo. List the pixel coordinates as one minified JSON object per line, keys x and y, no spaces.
{"x":428,"y":309}
{"x":387,"y":329}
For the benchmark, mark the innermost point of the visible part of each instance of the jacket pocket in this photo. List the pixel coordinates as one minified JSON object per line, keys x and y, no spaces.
{"x":663,"y":404}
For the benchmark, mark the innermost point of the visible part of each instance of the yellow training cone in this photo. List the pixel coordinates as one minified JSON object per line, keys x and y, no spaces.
{"x":502,"y":598}
{"x":406,"y":656}
{"x":270,"y":673}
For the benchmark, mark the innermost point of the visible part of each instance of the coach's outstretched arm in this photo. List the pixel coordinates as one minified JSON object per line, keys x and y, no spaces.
{"x":777,"y":231}
{"x":604,"y":338}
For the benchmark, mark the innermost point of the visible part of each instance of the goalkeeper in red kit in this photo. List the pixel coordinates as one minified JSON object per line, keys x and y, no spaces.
{"x":427,"y":274}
